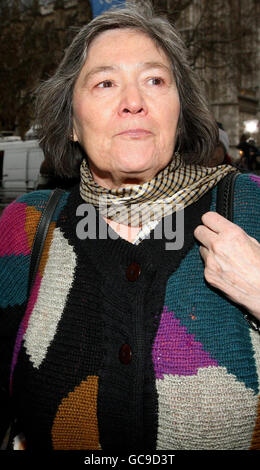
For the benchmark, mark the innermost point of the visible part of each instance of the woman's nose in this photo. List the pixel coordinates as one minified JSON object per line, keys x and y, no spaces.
{"x":132,"y":101}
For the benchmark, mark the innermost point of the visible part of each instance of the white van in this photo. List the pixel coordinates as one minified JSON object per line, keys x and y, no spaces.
{"x":20,"y":163}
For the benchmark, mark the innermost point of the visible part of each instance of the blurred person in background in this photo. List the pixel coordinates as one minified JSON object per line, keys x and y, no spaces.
{"x":221,"y":151}
{"x":249,"y":152}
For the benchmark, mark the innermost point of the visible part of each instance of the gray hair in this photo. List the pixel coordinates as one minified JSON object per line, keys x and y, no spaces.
{"x":197,"y":131}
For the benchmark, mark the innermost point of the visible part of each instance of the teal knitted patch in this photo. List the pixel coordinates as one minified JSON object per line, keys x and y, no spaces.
{"x":14,"y":279}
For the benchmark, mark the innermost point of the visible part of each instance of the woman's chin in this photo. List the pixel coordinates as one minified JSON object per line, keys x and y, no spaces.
{"x":136,"y":167}
{"x":137,"y":175}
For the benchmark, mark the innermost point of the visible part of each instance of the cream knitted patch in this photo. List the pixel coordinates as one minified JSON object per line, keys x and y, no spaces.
{"x":206,"y":411}
{"x":54,"y":289}
{"x":255,"y":338}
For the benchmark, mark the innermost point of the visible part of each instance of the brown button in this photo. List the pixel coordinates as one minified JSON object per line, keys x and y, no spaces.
{"x":133,"y":272}
{"x":125,"y":354}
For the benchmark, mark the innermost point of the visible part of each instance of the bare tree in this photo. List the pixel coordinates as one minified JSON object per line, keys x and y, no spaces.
{"x":31,"y":46}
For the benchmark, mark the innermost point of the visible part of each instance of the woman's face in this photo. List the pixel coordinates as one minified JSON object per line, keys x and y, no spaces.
{"x":125,"y":108}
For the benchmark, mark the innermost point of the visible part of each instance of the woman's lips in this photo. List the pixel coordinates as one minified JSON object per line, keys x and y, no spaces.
{"x":135,"y":133}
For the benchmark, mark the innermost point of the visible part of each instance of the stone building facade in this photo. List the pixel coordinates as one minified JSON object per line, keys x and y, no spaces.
{"x":225,"y":44}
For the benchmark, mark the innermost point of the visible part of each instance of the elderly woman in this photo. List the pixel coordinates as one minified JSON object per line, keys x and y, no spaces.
{"x":124,"y":344}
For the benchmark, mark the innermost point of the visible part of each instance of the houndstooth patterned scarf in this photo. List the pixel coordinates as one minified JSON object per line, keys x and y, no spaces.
{"x":174,"y":188}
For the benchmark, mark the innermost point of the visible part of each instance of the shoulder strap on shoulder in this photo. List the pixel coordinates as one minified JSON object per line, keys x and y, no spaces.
{"x":225,"y":195}
{"x":41,"y":233}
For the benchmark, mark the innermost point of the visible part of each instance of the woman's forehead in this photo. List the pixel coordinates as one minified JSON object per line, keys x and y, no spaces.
{"x":124,"y":45}
{"x":119,"y":33}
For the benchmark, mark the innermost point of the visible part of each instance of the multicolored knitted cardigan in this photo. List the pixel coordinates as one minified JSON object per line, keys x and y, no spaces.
{"x":103,"y":362}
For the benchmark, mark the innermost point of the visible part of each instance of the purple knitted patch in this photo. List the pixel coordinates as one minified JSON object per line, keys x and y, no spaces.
{"x":256,"y":179}
{"x":175,"y":351}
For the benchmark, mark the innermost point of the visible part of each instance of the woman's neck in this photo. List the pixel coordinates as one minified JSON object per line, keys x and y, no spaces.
{"x":124,"y":231}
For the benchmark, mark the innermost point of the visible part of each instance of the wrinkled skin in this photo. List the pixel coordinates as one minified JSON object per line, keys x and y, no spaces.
{"x":232,"y":260}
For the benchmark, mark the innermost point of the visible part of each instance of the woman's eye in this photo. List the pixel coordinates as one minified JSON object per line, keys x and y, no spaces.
{"x":156,"y":81}
{"x":105,"y":84}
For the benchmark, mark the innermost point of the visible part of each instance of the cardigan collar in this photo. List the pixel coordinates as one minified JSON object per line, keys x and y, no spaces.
{"x":109,"y":252}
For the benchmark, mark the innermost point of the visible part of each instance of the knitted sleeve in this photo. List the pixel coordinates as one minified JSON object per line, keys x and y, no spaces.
{"x":17,"y":229}
{"x":247,"y":204}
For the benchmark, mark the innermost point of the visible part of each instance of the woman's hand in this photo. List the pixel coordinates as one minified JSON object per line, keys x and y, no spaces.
{"x":232,"y":260}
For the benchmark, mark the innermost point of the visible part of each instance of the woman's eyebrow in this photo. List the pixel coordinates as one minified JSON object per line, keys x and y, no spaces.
{"x":155,"y":65}
{"x":113,"y":68}
{"x":99,"y":69}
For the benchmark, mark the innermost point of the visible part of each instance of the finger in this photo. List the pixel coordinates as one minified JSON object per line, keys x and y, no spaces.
{"x":216,"y":222}
{"x":204,"y":252}
{"x":211,"y":264}
{"x":205,"y":236}
{"x":253,"y":240}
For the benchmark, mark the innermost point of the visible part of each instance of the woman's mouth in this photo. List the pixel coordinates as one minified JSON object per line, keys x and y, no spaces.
{"x":135,"y":133}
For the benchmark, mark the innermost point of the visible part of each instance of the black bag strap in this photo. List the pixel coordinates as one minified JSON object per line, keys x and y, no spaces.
{"x":225,"y":195}
{"x":41,"y":234}
{"x":224,"y":206}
